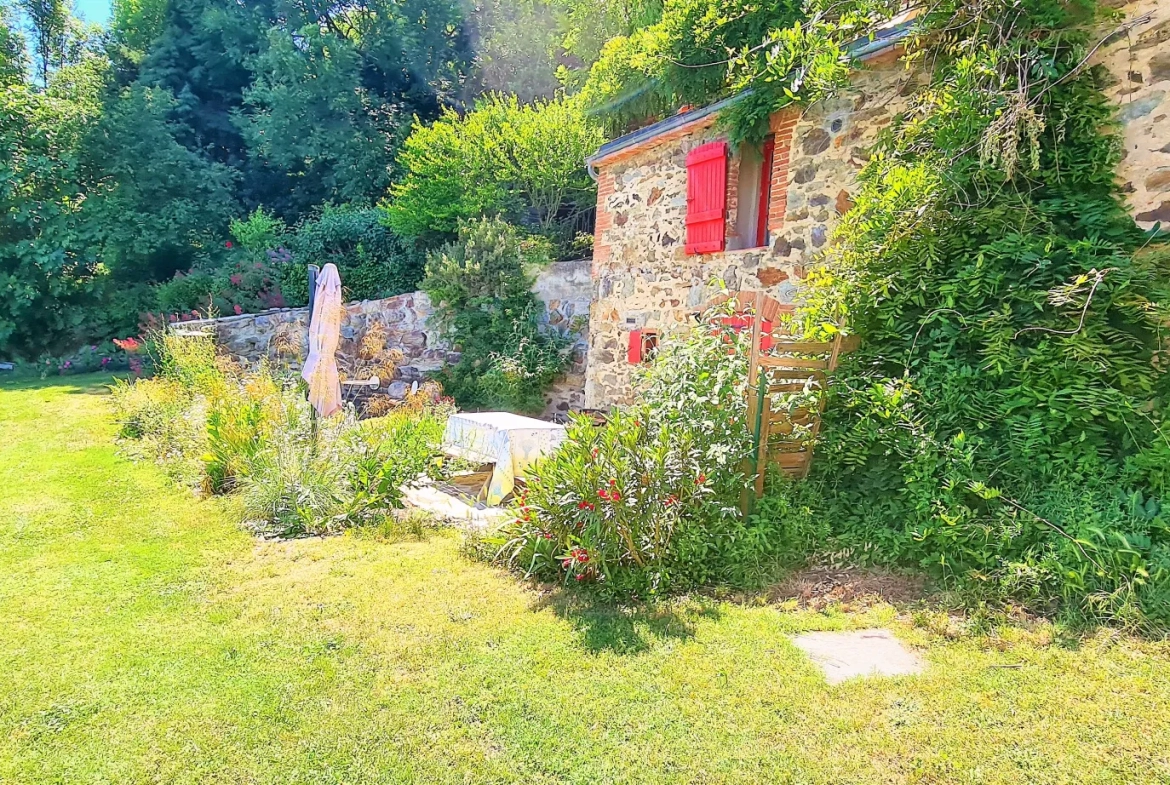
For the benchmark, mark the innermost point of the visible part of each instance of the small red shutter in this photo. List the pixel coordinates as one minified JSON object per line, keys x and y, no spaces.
{"x":635,"y":353}
{"x":706,"y":197}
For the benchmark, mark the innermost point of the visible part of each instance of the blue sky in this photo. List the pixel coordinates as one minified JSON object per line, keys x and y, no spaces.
{"x":94,"y":10}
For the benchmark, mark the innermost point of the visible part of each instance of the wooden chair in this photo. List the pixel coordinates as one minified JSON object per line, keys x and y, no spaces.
{"x":782,"y":367}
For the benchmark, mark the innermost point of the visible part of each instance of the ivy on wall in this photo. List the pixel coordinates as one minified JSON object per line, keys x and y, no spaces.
{"x":1004,"y":424}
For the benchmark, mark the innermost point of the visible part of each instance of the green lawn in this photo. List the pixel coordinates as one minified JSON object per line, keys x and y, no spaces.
{"x":145,"y":638}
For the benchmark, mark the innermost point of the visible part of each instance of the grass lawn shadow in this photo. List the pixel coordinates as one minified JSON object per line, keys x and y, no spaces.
{"x":608,"y":627}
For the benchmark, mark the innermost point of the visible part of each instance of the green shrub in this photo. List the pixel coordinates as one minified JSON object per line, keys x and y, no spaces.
{"x":259,"y":232}
{"x":522,"y":163}
{"x":481,"y":290}
{"x":372,"y":260}
{"x":314,"y":479}
{"x":648,"y":503}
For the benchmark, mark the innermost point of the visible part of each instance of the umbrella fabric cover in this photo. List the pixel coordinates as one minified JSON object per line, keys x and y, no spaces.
{"x":324,"y":334}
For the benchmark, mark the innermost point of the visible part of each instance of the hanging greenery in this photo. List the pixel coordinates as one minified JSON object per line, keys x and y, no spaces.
{"x":1005,"y":422}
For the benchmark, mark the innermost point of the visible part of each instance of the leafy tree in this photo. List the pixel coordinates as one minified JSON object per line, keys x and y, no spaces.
{"x":135,"y":24}
{"x":155,"y":206}
{"x":46,"y":272}
{"x":13,"y":58}
{"x":588,"y":25}
{"x":49,"y":27}
{"x":683,"y":58}
{"x":522,"y":162}
{"x":309,"y":115}
{"x":518,"y":47}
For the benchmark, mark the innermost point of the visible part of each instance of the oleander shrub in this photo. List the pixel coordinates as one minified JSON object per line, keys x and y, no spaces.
{"x":649,"y":502}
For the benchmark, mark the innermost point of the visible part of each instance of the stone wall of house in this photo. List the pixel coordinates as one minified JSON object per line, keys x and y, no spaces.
{"x":1139,"y":62}
{"x":644,"y":279}
{"x":279,"y":335}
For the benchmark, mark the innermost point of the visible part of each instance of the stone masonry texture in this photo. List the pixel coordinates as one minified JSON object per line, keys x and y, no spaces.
{"x":280,"y":334}
{"x":644,"y":280}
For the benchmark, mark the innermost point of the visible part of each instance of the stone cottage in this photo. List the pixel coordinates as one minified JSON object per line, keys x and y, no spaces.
{"x":759,"y":214}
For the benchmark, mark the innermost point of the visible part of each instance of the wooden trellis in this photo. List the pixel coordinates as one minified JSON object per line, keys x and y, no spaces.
{"x":785,"y":379}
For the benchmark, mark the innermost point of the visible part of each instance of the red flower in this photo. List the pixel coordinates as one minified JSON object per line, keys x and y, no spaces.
{"x":547,"y":535}
{"x":228,"y":244}
{"x":612,"y":483}
{"x":603,"y":493}
{"x":701,"y":479}
{"x":580,"y":576}
{"x":593,"y":452}
{"x":671,"y":499}
{"x":615,"y":496}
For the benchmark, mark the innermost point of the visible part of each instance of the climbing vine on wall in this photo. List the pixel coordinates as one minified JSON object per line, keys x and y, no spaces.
{"x":1005,"y":423}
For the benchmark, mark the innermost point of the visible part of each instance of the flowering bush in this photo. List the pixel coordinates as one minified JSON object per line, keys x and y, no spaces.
{"x":116,"y":355}
{"x":649,"y":502}
{"x":247,"y":282}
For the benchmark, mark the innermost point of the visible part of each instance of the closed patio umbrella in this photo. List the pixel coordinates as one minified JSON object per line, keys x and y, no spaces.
{"x":324,"y":334}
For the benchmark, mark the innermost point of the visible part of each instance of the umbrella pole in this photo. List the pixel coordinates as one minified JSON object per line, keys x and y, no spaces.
{"x":313,"y":270}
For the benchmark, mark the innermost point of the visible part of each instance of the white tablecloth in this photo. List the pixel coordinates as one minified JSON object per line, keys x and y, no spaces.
{"x":510,"y":441}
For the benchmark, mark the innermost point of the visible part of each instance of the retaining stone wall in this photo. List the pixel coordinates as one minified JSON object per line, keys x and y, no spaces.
{"x":279,"y":335}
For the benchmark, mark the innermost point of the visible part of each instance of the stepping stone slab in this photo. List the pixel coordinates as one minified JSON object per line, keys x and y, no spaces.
{"x":844,"y":655}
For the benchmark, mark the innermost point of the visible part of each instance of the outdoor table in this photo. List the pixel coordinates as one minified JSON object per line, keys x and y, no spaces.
{"x":509,"y":441}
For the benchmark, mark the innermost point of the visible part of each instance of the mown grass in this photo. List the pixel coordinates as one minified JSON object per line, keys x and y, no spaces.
{"x":145,"y":638}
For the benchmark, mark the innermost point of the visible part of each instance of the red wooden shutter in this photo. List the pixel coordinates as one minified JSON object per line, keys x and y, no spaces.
{"x":634,"y":355}
{"x":706,"y":198}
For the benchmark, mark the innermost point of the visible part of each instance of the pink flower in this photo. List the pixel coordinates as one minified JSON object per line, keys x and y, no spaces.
{"x":228,"y":244}
{"x":238,"y":309}
{"x":236,"y":279}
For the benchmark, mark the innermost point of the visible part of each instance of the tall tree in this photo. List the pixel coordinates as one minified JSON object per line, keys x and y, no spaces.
{"x":48,"y":22}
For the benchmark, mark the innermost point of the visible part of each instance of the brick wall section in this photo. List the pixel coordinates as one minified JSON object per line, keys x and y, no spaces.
{"x":604,"y":220}
{"x":783,"y":124}
{"x":731,"y":228}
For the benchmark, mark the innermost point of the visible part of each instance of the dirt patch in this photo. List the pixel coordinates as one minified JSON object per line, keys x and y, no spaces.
{"x":850,"y":587}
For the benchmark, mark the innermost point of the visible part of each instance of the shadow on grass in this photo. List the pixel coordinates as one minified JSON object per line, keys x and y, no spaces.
{"x":606,"y":626}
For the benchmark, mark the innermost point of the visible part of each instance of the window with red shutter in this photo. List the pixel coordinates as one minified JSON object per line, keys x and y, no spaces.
{"x":706,"y":198}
